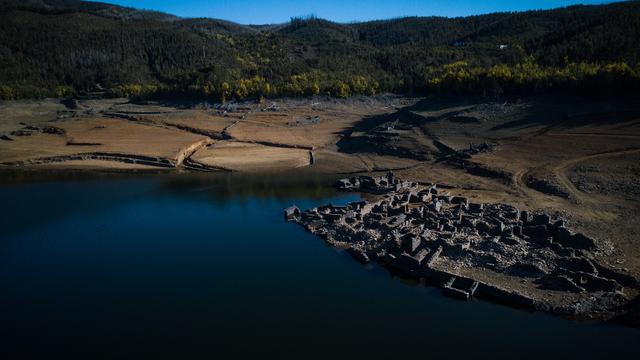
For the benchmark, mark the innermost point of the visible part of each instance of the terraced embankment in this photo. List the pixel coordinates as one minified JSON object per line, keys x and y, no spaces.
{"x":246,"y":137}
{"x":100,"y":139}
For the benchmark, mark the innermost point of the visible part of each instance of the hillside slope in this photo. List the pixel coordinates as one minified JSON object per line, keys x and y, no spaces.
{"x":73,"y":45}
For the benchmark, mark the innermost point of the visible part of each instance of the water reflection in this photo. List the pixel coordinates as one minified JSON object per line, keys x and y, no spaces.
{"x":221,"y":188}
{"x":68,"y":193}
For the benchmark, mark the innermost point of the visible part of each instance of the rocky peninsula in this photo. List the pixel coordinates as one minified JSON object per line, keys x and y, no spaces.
{"x":469,"y":249}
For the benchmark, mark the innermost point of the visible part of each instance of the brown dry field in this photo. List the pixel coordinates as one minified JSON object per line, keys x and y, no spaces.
{"x":572,"y":156}
{"x":240,"y":156}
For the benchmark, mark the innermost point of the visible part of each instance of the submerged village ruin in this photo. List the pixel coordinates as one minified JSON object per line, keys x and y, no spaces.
{"x":469,"y":249}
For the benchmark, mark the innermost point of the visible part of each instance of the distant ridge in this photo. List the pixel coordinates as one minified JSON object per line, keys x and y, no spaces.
{"x":45,"y":44}
{"x":95,"y":8}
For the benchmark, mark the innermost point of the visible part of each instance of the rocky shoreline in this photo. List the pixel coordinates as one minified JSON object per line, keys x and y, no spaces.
{"x":471,"y":249}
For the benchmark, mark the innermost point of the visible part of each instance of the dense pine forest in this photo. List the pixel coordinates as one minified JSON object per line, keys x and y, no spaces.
{"x":64,"y":47}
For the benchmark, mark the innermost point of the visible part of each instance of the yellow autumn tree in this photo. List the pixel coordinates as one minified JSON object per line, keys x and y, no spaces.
{"x":225,"y":92}
{"x":341,"y":89}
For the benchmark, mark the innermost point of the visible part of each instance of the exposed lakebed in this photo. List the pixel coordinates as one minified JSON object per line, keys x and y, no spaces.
{"x":119,"y":266}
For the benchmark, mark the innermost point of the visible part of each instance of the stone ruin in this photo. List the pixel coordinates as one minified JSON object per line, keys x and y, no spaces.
{"x":425,"y":233}
{"x":375,"y":185}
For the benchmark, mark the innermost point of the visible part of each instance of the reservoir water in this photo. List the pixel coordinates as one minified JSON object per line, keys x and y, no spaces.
{"x":185,"y":266}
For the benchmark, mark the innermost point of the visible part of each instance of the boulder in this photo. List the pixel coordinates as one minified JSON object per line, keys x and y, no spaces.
{"x":291,"y":213}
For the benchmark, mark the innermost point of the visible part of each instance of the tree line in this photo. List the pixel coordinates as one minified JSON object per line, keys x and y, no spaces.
{"x":44,"y":53}
{"x":455,"y":78}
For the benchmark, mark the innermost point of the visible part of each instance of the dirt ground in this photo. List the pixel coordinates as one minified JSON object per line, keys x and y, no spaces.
{"x":575,"y":157}
{"x":236,"y":137}
{"x":568,"y":155}
{"x":239,"y":156}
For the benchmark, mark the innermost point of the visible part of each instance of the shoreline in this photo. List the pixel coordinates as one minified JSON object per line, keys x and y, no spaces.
{"x":570,"y":157}
{"x":428,"y":235}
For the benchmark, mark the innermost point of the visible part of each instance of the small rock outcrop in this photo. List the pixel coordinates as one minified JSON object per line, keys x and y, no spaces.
{"x":469,"y":248}
{"x":291,"y":213}
{"x":29,"y":130}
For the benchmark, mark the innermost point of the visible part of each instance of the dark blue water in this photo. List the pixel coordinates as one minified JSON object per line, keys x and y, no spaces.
{"x":170,"y":266}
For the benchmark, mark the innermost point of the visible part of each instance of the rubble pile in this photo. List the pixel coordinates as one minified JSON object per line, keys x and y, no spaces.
{"x":29,"y":130}
{"x":423,"y":232}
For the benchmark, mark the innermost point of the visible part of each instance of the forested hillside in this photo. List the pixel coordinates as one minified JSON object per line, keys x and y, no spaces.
{"x":60,"y":47}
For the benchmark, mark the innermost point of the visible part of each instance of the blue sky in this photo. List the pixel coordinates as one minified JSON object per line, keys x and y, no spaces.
{"x":278,"y":11}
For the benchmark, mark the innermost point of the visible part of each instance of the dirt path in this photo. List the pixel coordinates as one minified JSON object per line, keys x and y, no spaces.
{"x":225,"y":131}
{"x":572,"y":134}
{"x":560,"y":171}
